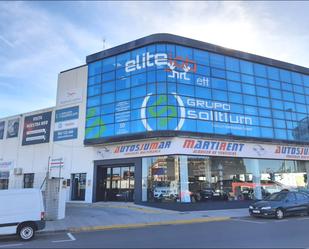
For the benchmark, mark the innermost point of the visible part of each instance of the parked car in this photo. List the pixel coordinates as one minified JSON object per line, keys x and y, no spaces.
{"x":161,"y":193}
{"x":210,"y":194}
{"x":21,"y":212}
{"x":281,"y":204}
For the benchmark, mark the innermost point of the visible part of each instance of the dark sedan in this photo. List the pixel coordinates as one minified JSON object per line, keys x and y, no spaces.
{"x":281,"y":204}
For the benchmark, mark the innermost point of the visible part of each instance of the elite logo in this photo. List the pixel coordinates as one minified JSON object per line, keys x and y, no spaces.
{"x":163,"y":114}
{"x":178,"y":66}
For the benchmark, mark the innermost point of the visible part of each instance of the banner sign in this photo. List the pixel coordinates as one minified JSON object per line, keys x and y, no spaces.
{"x":203,"y":147}
{"x":6,"y":165}
{"x":66,"y":123}
{"x":13,"y":128}
{"x":37,"y":128}
{"x":2,"y":125}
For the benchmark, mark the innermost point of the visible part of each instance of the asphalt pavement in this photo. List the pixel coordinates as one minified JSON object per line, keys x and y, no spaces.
{"x":108,"y":215}
{"x":238,"y":232}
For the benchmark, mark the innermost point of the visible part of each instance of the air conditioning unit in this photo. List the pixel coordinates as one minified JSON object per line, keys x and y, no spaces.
{"x":18,"y":171}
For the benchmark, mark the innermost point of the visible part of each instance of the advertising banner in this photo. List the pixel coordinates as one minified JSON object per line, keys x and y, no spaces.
{"x":2,"y":125}
{"x":37,"y":128}
{"x":13,"y":128}
{"x":66,"y":124}
{"x":203,"y":147}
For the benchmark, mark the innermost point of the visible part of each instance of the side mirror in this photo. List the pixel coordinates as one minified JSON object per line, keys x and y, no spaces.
{"x":287,"y":200}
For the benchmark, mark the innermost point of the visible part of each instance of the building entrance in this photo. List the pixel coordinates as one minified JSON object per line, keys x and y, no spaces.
{"x":115,"y":183}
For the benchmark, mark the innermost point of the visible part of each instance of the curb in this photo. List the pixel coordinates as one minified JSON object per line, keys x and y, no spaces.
{"x":138,"y":225}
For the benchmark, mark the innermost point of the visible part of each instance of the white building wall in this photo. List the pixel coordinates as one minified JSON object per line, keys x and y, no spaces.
{"x":77,"y":157}
{"x":31,"y":158}
{"x":71,"y":91}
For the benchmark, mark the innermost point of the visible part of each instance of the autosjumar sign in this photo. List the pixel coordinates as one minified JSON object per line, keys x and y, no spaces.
{"x":203,"y":147}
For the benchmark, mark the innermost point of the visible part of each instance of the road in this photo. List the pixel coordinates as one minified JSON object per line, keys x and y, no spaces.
{"x":235,"y":233}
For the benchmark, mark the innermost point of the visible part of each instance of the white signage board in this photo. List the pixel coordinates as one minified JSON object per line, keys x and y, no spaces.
{"x":6,"y":165}
{"x":70,"y":96}
{"x":56,"y":166}
{"x":203,"y":147}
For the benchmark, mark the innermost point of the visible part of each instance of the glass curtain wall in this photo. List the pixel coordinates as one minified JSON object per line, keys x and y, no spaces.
{"x":198,"y":178}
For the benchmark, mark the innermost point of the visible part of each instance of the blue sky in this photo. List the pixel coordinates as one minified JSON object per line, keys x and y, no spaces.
{"x":40,"y":39}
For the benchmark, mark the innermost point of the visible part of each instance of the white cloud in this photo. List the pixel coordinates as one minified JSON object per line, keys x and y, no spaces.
{"x":37,"y":42}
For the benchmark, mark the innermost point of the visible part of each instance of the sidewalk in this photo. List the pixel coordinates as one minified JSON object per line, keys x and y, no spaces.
{"x":109,"y":215}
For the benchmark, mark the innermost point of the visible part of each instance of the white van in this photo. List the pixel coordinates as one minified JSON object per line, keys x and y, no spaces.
{"x":21,"y":212}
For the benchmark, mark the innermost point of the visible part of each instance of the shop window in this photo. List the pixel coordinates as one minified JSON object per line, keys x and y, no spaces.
{"x":161,"y":179}
{"x":28,"y":180}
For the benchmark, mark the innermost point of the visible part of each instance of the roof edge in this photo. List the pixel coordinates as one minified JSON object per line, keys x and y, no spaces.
{"x":180,"y":40}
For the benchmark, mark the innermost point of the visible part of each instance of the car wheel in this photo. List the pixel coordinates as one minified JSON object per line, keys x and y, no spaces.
{"x":26,"y":231}
{"x":279,"y":214}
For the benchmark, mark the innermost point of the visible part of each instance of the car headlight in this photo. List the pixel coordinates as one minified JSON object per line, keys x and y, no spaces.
{"x":250,"y":207}
{"x":266,"y":208}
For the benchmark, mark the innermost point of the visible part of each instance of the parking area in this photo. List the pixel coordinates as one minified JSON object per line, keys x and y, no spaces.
{"x":238,"y":232}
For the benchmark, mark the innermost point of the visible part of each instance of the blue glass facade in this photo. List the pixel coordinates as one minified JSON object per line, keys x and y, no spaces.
{"x":177,"y":88}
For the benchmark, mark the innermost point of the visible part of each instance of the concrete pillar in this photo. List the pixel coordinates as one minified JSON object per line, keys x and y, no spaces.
{"x":55,"y":199}
{"x":184,"y":179}
{"x":256,"y":177}
{"x":145,"y":168}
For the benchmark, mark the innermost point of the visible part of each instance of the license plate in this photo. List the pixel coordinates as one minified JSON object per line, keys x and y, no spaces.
{"x":216,"y":194}
{"x":256,"y":211}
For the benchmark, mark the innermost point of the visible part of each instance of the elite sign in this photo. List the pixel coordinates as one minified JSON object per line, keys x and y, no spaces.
{"x":37,"y":129}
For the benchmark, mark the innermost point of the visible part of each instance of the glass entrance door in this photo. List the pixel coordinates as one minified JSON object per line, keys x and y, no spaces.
{"x":117,"y":183}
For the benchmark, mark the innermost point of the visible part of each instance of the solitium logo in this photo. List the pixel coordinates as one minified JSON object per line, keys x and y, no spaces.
{"x":157,"y":107}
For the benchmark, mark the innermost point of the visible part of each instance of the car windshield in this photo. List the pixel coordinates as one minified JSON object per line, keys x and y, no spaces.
{"x":276,"y":197}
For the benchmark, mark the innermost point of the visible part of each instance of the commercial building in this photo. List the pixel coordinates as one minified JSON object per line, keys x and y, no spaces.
{"x":166,"y":119}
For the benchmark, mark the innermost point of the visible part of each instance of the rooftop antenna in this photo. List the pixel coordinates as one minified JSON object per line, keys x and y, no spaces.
{"x":103,"y":40}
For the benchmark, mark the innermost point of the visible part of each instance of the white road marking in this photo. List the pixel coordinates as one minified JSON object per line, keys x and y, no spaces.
{"x":60,"y":241}
{"x":10,"y":245}
{"x":251,"y":221}
{"x":72,"y":238}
